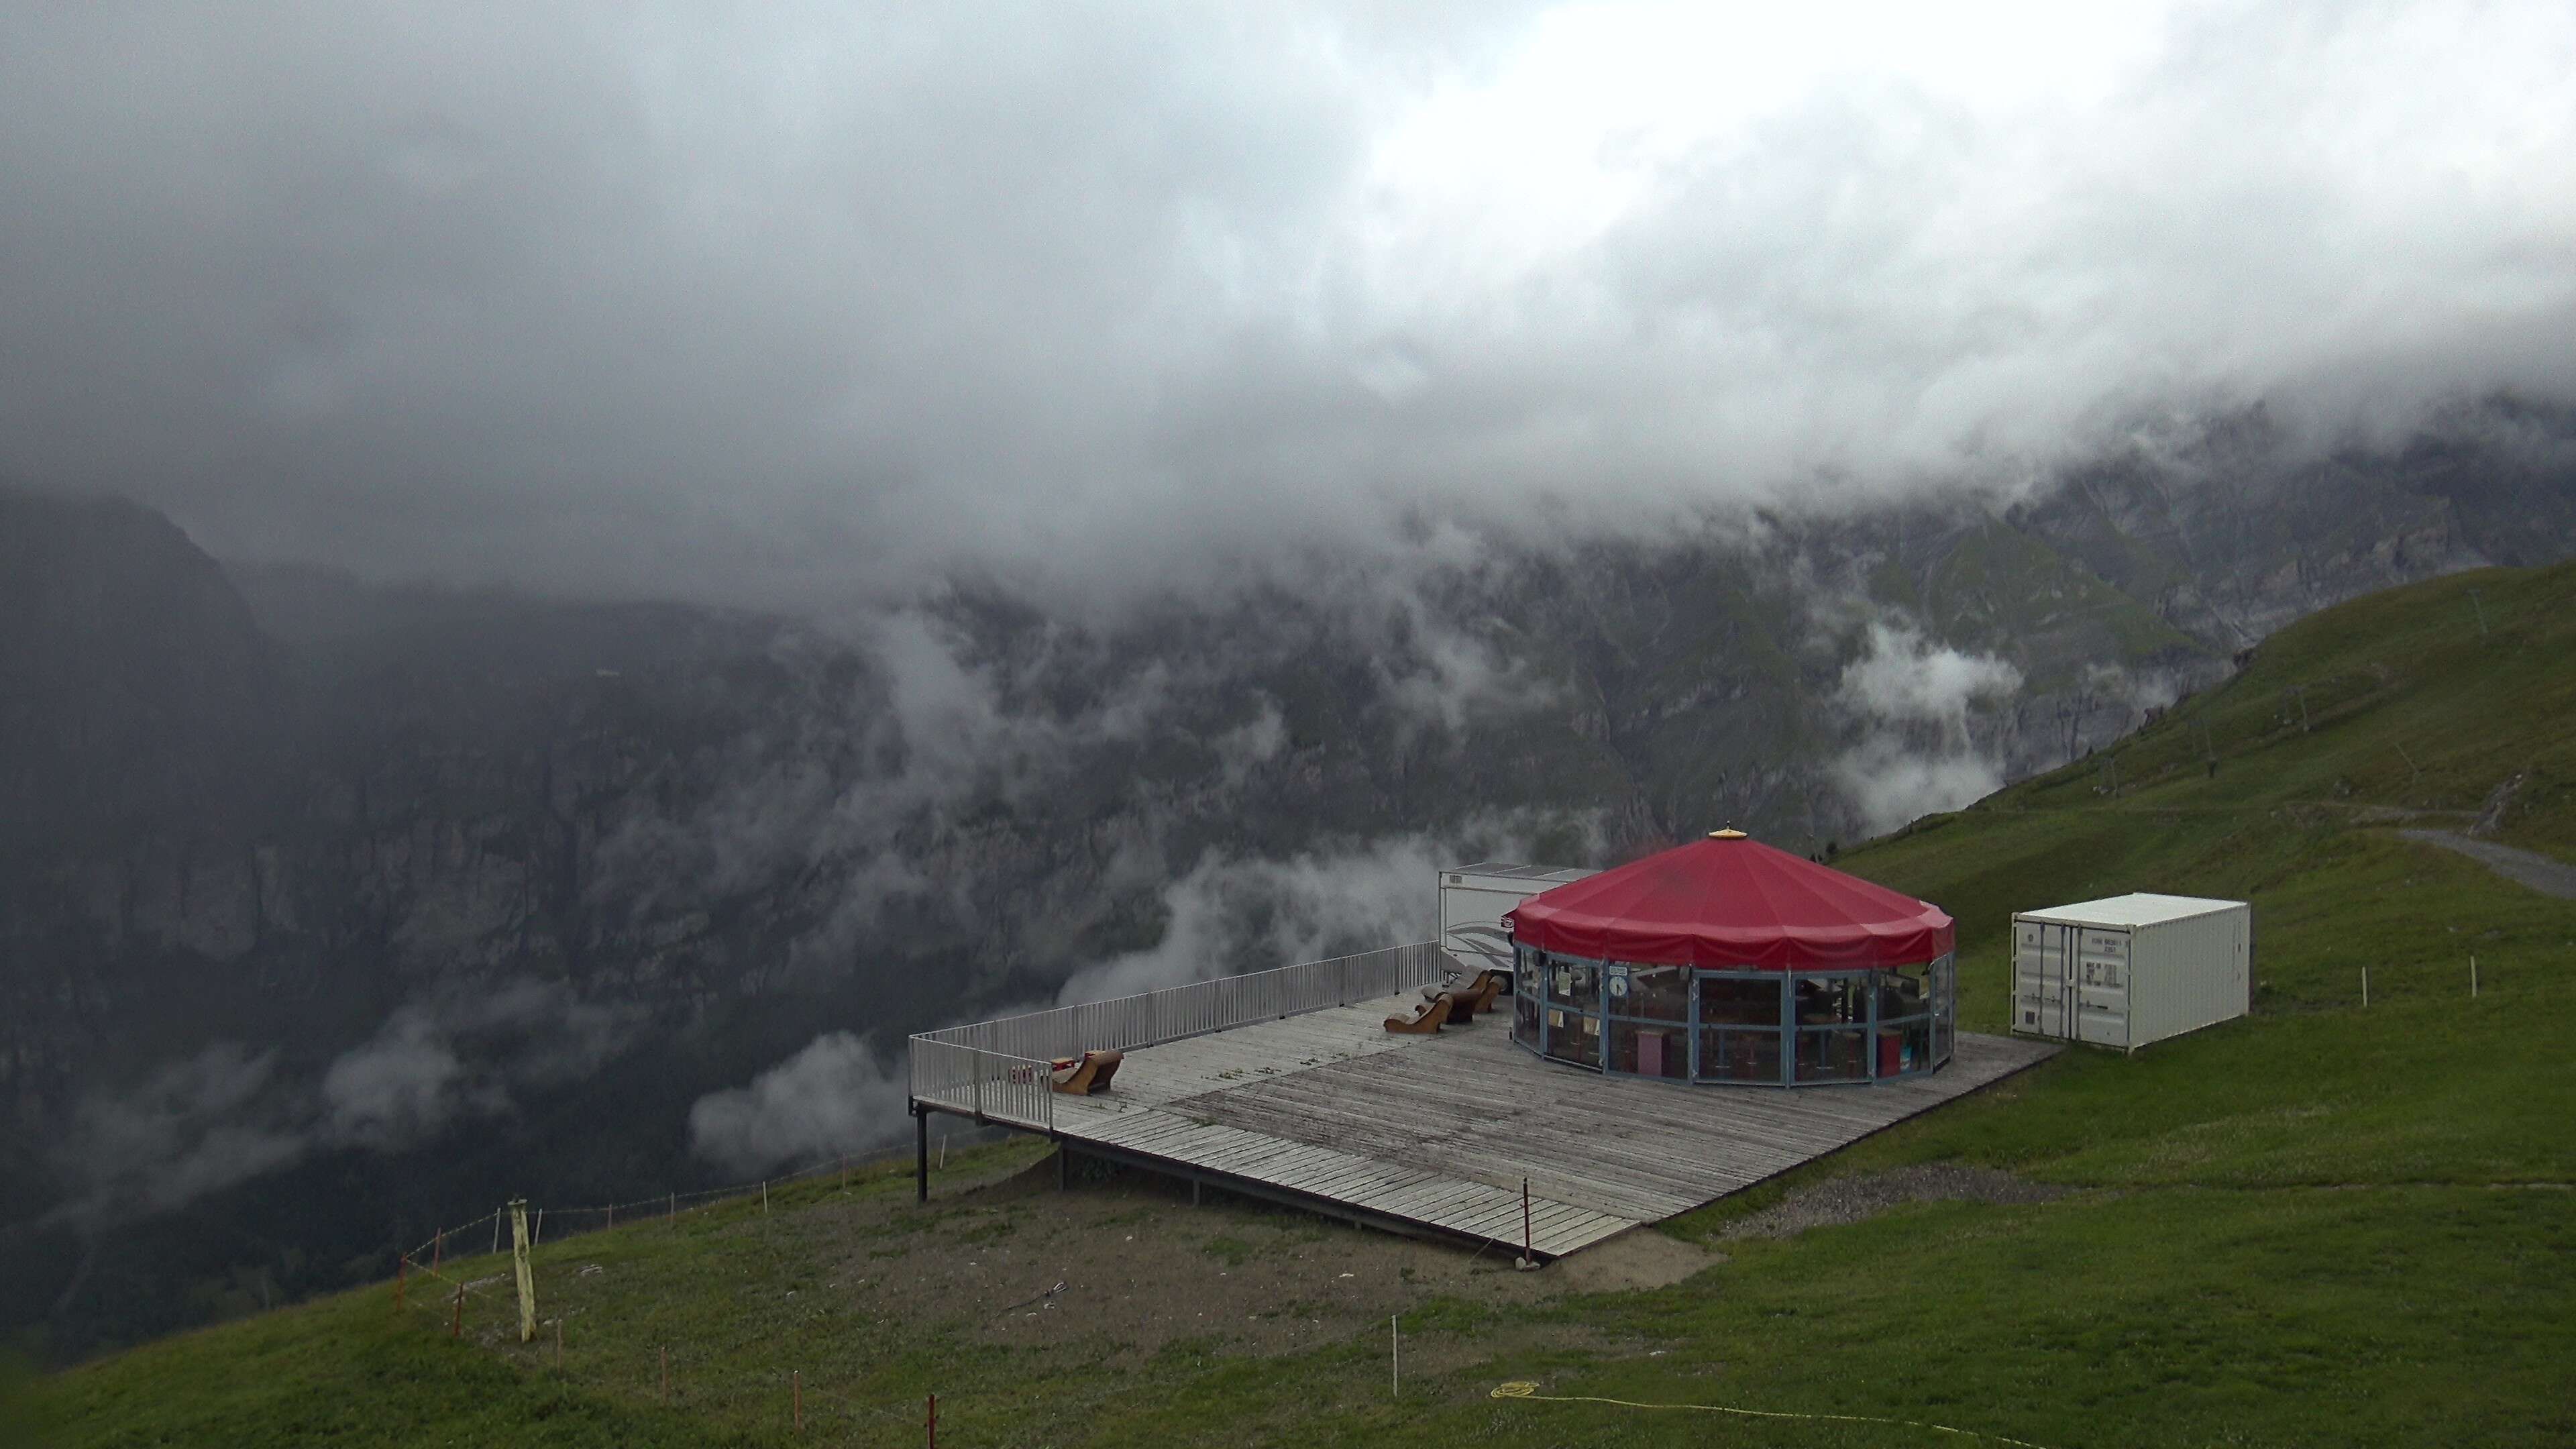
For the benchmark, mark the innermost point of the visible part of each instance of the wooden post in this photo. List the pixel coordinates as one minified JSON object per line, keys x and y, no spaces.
{"x":456,"y":1323}
{"x":2473,"y":976}
{"x":796,"y":1399}
{"x":921,"y":1155}
{"x":496,"y":1233}
{"x":402,"y":1262}
{"x":671,"y":1214}
{"x":666,"y":1373}
{"x":764,"y":1197}
{"x":437,"y":1249}
{"x":519,"y":1264}
{"x":612,"y":1215}
{"x":2365,"y":986}
{"x":934,"y":1421}
{"x":1526,"y":1260}
{"x":558,"y":1343}
{"x":537,"y":1234}
{"x":1395,"y":1357}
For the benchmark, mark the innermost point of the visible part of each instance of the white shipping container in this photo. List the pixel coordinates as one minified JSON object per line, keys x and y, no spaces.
{"x":1475,"y":898}
{"x":2131,"y":970}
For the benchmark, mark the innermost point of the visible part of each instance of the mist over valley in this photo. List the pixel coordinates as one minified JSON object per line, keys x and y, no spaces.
{"x":566,"y":582}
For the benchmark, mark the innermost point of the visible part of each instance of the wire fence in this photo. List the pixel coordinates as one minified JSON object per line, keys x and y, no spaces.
{"x":450,"y":1282}
{"x":550,"y":1223}
{"x":1010,"y":1085}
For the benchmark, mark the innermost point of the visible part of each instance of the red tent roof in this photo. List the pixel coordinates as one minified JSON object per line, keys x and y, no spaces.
{"x":1731,"y":901}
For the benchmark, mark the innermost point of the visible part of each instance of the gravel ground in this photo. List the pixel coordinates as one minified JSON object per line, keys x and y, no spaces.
{"x":2528,"y":867}
{"x":1849,"y":1199}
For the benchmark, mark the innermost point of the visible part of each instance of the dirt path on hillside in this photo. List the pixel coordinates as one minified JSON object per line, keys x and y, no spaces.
{"x":2523,"y":867}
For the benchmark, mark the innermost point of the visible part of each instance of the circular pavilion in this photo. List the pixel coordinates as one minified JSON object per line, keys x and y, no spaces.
{"x":1725,"y":960}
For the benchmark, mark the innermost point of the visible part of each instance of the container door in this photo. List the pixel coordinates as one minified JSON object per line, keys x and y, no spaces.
{"x":2044,"y":994}
{"x":2030,"y":968}
{"x":2102,"y":987}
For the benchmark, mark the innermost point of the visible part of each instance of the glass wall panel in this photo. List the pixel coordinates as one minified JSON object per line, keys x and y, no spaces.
{"x":1574,"y":1036}
{"x":1835,"y":1054}
{"x":1905,"y":992}
{"x":1647,"y":1050}
{"x":1945,"y":1007}
{"x":1574,"y":984}
{"x":1841,"y":999}
{"x":1656,"y":993}
{"x":1739,"y":1056}
{"x":1525,"y":1021}
{"x":1751,"y":999}
{"x":1903,"y":1046}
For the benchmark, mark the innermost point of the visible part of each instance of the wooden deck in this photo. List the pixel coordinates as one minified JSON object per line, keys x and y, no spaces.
{"x":1437,"y":1133}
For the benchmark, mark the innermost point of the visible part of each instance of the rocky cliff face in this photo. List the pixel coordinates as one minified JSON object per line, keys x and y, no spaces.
{"x":408,"y":898}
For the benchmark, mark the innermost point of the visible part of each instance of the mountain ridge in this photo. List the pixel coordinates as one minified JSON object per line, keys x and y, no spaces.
{"x":680,"y":838}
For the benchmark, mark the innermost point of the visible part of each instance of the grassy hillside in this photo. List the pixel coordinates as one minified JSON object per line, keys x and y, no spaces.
{"x":2322,"y":1225}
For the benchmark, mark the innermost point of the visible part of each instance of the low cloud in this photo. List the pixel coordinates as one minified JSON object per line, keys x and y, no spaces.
{"x":1231,"y":914}
{"x":193,"y":1127}
{"x":832,"y":1097}
{"x":227,"y":1115}
{"x":1917,"y":753}
{"x":825,"y":301}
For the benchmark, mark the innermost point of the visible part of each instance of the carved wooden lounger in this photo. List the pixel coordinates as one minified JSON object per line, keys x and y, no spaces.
{"x":1425,"y":1021}
{"x":1088,"y":1073}
{"x":1476,"y":996}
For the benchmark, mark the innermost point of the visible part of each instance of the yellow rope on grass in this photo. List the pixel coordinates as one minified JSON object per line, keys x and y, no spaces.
{"x":1523,"y":1389}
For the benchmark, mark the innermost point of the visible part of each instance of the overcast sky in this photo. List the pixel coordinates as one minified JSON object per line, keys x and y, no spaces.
{"x":748,"y":300}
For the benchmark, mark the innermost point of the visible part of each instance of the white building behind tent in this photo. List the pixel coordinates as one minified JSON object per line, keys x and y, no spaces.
{"x":1474,"y":899}
{"x":2131,"y":970}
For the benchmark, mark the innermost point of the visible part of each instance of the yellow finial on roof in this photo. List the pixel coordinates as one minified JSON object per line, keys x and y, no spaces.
{"x":1729,"y":833}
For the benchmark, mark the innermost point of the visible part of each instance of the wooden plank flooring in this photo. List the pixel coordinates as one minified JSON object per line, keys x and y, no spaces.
{"x":1441,"y":1131}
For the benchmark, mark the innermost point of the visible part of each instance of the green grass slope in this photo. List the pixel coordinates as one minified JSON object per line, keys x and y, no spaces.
{"x":2323,"y":1225}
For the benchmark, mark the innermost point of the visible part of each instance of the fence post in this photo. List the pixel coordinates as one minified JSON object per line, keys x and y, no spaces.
{"x":402,"y":1262}
{"x":437,"y":1249}
{"x":527,"y":1281}
{"x":456,"y":1322}
{"x":934,"y":1421}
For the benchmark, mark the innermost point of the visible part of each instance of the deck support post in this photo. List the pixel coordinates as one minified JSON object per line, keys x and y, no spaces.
{"x":921,"y":1153}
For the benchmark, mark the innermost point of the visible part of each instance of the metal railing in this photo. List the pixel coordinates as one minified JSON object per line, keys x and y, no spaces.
{"x":983,"y":1066}
{"x":992,"y":1086}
